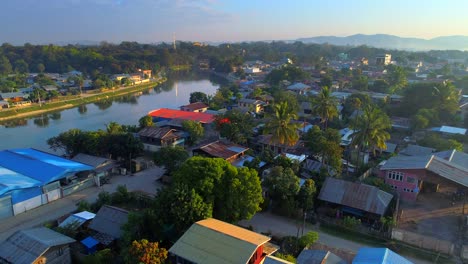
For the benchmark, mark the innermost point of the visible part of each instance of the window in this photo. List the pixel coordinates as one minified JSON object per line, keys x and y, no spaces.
{"x":395,"y":175}
{"x":408,"y":190}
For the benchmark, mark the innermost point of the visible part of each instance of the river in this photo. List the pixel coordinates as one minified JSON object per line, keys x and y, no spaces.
{"x":33,"y":132}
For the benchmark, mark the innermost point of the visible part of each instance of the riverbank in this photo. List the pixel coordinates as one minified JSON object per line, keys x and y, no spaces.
{"x":21,"y":112}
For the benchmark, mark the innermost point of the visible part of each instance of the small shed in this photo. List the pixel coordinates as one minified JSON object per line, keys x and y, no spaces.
{"x":90,"y":244}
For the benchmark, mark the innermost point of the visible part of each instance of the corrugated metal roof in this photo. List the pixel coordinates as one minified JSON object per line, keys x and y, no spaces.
{"x":223,"y":150}
{"x":10,"y":180}
{"x":309,"y":256}
{"x":356,"y":195}
{"x":90,"y":160}
{"x":109,"y":220}
{"x":275,"y":260}
{"x":407,"y":162}
{"x":211,"y":241}
{"x":194,"y":106}
{"x":155,"y":132}
{"x":379,"y":256}
{"x":25,"y":246}
{"x":450,"y":130}
{"x":166,"y":113}
{"x":415,"y":150}
{"x":76,"y":220}
{"x":24,"y":168}
{"x":449,"y":170}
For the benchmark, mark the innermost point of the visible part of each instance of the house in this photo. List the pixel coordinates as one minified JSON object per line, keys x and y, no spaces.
{"x":146,"y":74}
{"x":198,"y":107}
{"x":108,"y":224}
{"x":14,"y":97}
{"x":445,"y":171}
{"x":299,"y":88}
{"x":30,"y":178}
{"x":253,"y":105}
{"x":212,"y":241}
{"x":357,"y":199}
{"x":154,"y":138}
{"x":416,"y":150}
{"x":346,"y":134}
{"x":383,"y":59}
{"x":170,"y":114}
{"x":309,"y":256}
{"x":36,"y":245}
{"x":219,"y":149}
{"x":312,"y":167}
{"x":103,"y":167}
{"x":401,"y":123}
{"x":265,"y":141}
{"x":49,"y":88}
{"x":378,"y":256}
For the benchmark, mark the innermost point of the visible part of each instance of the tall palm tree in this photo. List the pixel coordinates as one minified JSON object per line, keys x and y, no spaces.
{"x":370,"y":129}
{"x":280,"y":126}
{"x":325,"y":106}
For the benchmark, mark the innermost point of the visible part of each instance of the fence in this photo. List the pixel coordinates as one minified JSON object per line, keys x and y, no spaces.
{"x":69,"y":189}
{"x":366,"y":174}
{"x":422,"y":241}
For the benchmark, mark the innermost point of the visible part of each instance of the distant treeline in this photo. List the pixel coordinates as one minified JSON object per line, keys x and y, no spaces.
{"x":131,"y":56}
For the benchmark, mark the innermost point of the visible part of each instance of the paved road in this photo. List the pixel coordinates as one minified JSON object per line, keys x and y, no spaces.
{"x":142,"y":181}
{"x":281,"y":226}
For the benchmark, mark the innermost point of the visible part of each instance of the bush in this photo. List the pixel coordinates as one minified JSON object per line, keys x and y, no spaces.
{"x":351,"y":222}
{"x":84,"y":206}
{"x":286,"y":257}
{"x":308,"y":239}
{"x":290,"y":245}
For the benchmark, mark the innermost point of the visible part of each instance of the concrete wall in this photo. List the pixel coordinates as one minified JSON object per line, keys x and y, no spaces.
{"x":422,"y":241}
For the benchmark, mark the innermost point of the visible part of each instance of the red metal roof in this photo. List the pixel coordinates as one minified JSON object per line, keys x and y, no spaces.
{"x":185,"y":115}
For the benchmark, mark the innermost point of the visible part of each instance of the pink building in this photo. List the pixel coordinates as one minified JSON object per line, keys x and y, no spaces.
{"x":441,"y":171}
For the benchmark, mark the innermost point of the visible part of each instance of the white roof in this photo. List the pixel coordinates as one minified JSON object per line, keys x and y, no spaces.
{"x":85,"y":215}
{"x":298,"y":86}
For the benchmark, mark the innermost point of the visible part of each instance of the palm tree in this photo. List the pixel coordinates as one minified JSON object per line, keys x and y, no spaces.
{"x":370,"y":129}
{"x":325,"y":106}
{"x":280,"y":126}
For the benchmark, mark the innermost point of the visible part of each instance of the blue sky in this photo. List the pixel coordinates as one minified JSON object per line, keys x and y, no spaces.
{"x":46,"y":21}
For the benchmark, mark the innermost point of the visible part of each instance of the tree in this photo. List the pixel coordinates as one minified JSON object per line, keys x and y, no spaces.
{"x":5,"y":66}
{"x":283,"y":186}
{"x":370,"y":129}
{"x":325,"y":106}
{"x":326,"y":145}
{"x":306,"y":194}
{"x":40,"y":67}
{"x":170,"y":157}
{"x":289,"y":72}
{"x":181,"y":206}
{"x":198,"y":97}
{"x":360,"y":83}
{"x":194,"y":129}
{"x":235,"y":125}
{"x":279,"y":125}
{"x":146,"y":252}
{"x":234,"y":193}
{"x":435,"y":141}
{"x":21,"y":66}
{"x":145,"y":121}
{"x":396,"y":78}
{"x":114,"y":128}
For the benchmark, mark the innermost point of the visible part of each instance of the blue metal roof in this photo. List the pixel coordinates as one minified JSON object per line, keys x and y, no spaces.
{"x":89,"y":242}
{"x":26,"y":168}
{"x":379,"y":256}
{"x":10,"y":180}
{"x":38,"y":165}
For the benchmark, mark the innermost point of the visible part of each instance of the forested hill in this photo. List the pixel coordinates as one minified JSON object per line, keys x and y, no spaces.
{"x":128,"y":57}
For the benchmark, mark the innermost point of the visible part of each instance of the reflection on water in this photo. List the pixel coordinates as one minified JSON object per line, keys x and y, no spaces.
{"x":126,"y":110}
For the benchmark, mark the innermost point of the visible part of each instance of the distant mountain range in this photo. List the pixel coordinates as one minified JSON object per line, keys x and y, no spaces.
{"x":394,"y":42}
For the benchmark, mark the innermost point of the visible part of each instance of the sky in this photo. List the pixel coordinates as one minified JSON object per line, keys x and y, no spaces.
{"x":150,"y":21}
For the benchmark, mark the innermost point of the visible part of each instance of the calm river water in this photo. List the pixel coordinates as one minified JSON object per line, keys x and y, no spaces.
{"x":34,"y":131}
